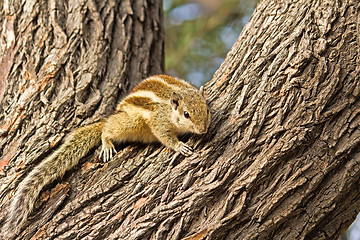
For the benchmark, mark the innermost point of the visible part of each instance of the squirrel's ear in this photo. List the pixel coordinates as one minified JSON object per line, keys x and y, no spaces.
{"x":175,"y":98}
{"x":201,"y":90}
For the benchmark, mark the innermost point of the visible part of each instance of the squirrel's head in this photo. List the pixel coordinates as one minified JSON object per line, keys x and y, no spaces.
{"x":190,"y":112}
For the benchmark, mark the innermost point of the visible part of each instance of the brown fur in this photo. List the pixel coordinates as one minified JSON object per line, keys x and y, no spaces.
{"x":153,"y":111}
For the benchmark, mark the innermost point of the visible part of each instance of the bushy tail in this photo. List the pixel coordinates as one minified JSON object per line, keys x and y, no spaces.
{"x":79,"y":143}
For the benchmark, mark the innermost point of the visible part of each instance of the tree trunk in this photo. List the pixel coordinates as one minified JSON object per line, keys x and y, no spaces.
{"x":281,"y":158}
{"x":65,"y":64}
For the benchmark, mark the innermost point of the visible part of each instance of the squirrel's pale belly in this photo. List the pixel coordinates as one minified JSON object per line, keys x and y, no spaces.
{"x":135,"y":129}
{"x":145,"y":137}
{"x":141,"y":133}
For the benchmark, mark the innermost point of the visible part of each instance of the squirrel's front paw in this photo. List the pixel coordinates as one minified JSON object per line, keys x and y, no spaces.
{"x":185,"y":149}
{"x":107,"y":152}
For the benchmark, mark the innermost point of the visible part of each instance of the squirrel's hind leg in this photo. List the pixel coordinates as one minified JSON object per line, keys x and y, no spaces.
{"x":113,"y":130}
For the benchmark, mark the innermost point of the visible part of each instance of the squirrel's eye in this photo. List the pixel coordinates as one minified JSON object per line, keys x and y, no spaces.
{"x":186,"y":114}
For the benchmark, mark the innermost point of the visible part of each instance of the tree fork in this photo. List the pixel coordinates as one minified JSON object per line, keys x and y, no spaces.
{"x":280,"y":159}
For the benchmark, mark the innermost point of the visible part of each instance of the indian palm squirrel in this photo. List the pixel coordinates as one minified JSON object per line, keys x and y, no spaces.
{"x":156,"y":110}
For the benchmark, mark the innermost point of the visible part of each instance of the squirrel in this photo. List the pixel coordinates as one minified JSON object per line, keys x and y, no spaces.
{"x":156,"y":110}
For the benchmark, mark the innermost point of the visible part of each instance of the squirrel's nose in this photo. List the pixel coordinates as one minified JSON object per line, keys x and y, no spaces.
{"x":202,"y":129}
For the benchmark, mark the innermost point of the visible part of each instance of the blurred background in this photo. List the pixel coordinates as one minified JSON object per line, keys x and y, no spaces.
{"x":198,"y":35}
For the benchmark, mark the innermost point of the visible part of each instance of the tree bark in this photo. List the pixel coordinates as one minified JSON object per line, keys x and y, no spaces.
{"x":280,"y":161}
{"x":66,"y":64}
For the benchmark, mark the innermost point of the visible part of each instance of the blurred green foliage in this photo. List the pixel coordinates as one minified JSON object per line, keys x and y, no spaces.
{"x":199,"y":33}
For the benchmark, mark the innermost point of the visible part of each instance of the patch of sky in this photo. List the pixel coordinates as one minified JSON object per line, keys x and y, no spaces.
{"x":185,"y":12}
{"x":353,"y":232}
{"x":196,"y":78}
{"x":228,"y":36}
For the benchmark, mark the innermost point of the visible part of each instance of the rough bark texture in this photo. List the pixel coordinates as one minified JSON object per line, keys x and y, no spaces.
{"x":65,"y":64}
{"x":280,"y":161}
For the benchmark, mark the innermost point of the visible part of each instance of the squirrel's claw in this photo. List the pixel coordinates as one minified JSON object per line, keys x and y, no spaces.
{"x":107,"y":153}
{"x":186,"y":150}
